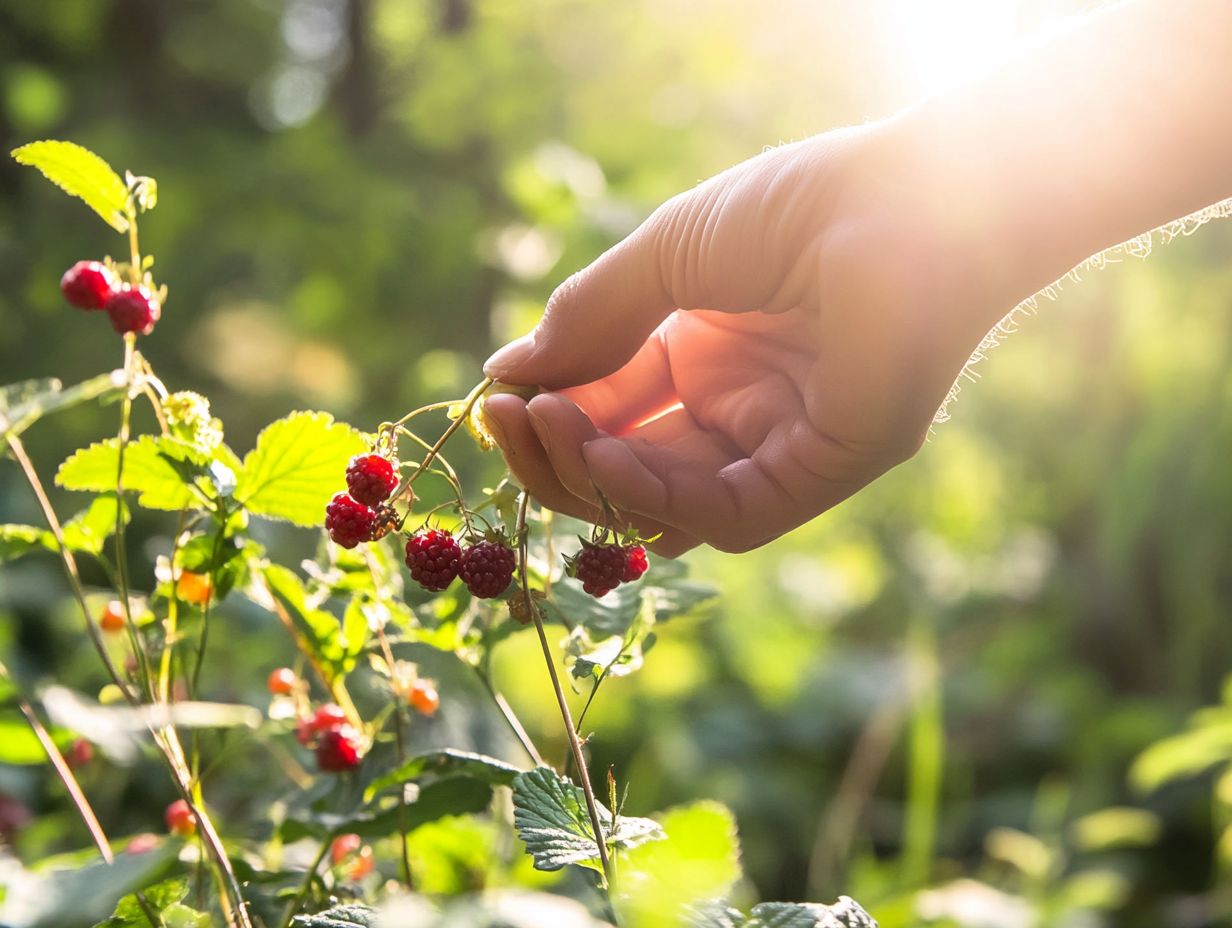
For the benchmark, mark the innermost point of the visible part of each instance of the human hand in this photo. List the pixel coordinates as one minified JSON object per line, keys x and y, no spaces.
{"x":763,"y":346}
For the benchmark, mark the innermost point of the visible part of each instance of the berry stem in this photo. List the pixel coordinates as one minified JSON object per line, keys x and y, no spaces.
{"x":449,"y":473}
{"x":471,"y":399}
{"x":571,"y":732}
{"x":511,"y":719}
{"x":297,"y":901}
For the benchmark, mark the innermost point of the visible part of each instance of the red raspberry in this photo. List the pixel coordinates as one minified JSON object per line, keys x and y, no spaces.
{"x":348,"y":522}
{"x":326,"y":717}
{"x":601,"y":568}
{"x":79,"y":753}
{"x":180,"y":819}
{"x":371,"y":478}
{"x":635,"y":563}
{"x":88,"y":284}
{"x":344,"y":846}
{"x":339,"y":749}
{"x":133,"y":309}
{"x":433,"y":557}
{"x":487,"y":568}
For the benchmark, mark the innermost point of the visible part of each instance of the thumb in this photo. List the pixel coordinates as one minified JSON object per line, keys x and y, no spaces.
{"x":597,"y":319}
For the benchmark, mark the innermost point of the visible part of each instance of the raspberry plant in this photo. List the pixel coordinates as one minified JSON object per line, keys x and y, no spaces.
{"x":483,"y":567}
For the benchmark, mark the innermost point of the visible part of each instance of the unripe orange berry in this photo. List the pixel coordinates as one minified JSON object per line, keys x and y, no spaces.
{"x":423,"y":697}
{"x":344,"y":846}
{"x":111,"y":619}
{"x":193,"y":588}
{"x":282,"y":681}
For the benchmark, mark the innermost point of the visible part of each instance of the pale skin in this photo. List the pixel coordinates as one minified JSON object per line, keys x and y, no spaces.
{"x":771,"y":341}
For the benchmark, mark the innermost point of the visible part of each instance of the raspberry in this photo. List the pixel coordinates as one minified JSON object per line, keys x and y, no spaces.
{"x":348,"y":522}
{"x":371,"y":478}
{"x":88,"y":284}
{"x":339,"y":749}
{"x":282,"y":681}
{"x":433,"y":557}
{"x":327,"y":717}
{"x":424,"y":698}
{"x":79,"y":753}
{"x":111,"y":619}
{"x":601,"y":568}
{"x":180,"y":819}
{"x":133,"y":309}
{"x":344,"y":846}
{"x":635,"y":563}
{"x":487,"y":568}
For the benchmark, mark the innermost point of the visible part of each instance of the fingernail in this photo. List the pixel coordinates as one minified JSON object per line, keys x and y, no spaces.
{"x":541,"y":430}
{"x":508,"y":359}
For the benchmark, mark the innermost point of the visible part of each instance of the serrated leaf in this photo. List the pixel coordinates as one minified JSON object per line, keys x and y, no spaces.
{"x":846,"y":913}
{"x":160,"y":897}
{"x":340,"y":916}
{"x":19,"y":540}
{"x":22,"y":404}
{"x":552,"y":820}
{"x":80,"y":173}
{"x":447,"y":762}
{"x":296,"y":467}
{"x":88,"y":531}
{"x":153,"y":468}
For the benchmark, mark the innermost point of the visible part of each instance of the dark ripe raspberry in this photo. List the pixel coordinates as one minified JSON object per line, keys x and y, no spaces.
{"x":133,"y":309}
{"x":635,"y":563}
{"x":88,"y":284}
{"x":433,"y":558}
{"x":601,"y":568}
{"x":487,"y":568}
{"x":339,"y":749}
{"x":371,"y":478}
{"x":348,"y":521}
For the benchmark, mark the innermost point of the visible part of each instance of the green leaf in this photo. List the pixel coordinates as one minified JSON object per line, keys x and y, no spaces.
{"x":447,"y":762}
{"x":82,"y":896}
{"x":153,"y":467}
{"x":18,"y":744}
{"x":80,"y":173}
{"x":340,"y":916}
{"x":552,"y":820}
{"x":699,"y":860}
{"x":160,"y":897}
{"x":450,"y":796}
{"x":320,"y":629}
{"x":296,"y":467}
{"x":22,"y":404}
{"x":88,"y":531}
{"x":19,"y":540}
{"x":846,"y":913}
{"x":1186,"y":754}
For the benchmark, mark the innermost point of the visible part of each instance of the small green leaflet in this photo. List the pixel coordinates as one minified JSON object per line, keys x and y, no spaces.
{"x":296,"y":467}
{"x":340,"y":916}
{"x":80,"y":173}
{"x":551,"y":818}
{"x":85,"y":533}
{"x":166,"y":899}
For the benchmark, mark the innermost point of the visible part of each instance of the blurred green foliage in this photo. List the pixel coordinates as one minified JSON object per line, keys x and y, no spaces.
{"x":929,"y":698}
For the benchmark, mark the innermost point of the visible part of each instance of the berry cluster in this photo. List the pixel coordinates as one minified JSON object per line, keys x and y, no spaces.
{"x":360,"y":513}
{"x":337,"y":744}
{"x":93,"y":285}
{"x":435,"y":559}
{"x":603,"y":567}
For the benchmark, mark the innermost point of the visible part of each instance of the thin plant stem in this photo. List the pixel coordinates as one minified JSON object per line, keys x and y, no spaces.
{"x":471,"y":399}
{"x":65,"y":773}
{"x":570,"y":731}
{"x":510,"y":717}
{"x":297,"y":900}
